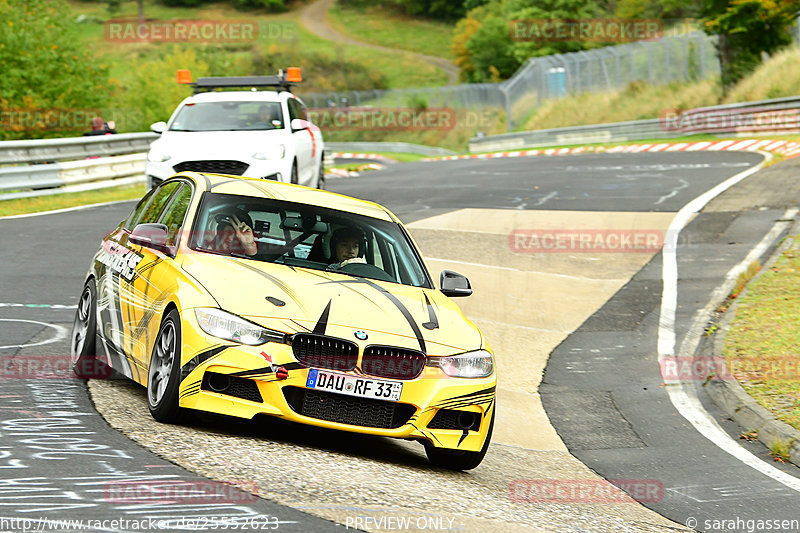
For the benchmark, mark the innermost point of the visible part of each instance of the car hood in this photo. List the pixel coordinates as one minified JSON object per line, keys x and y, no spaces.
{"x":293,"y":300}
{"x":187,"y":146}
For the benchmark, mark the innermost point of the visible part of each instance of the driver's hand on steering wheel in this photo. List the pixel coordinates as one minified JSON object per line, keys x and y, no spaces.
{"x":352,"y":260}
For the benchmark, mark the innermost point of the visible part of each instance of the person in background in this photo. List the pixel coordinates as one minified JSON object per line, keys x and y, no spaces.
{"x":100,"y":128}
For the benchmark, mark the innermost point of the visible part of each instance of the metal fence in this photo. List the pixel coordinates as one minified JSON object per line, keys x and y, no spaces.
{"x":775,"y":116}
{"x":684,"y":58}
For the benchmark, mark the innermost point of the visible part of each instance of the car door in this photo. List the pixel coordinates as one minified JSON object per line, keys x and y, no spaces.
{"x":155,"y":277}
{"x":115,"y":268}
{"x":303,"y":140}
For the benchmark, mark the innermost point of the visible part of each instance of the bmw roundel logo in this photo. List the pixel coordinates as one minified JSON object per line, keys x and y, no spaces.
{"x":361,"y":335}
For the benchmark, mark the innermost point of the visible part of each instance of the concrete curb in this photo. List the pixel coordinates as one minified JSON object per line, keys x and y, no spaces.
{"x":731,"y":397}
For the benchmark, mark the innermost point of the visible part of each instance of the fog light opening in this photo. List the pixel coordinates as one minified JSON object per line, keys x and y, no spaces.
{"x":219,"y":382}
{"x":466,"y":420}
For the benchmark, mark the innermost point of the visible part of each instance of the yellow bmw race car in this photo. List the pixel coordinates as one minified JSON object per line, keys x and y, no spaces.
{"x":244,"y":297}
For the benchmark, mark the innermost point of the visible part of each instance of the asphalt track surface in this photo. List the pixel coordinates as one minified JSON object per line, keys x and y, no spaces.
{"x":57,"y":456}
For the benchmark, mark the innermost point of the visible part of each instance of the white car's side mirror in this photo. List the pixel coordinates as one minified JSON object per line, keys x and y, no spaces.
{"x":299,"y":124}
{"x":159,"y":127}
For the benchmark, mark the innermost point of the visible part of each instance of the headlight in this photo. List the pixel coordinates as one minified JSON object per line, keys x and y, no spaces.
{"x":230,"y":327}
{"x":158,"y":157}
{"x":477,"y":364}
{"x":273,"y":152}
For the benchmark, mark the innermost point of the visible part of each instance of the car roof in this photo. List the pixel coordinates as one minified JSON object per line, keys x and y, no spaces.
{"x":261,"y":188}
{"x":234,"y":96}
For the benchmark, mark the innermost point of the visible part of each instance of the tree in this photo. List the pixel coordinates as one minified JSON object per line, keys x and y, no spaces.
{"x":485,"y":48}
{"x":746,"y":29}
{"x":45,"y":70}
{"x":550,"y":9}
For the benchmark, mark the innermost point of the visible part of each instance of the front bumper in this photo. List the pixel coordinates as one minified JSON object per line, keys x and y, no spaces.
{"x":240,"y":381}
{"x":279,"y":170}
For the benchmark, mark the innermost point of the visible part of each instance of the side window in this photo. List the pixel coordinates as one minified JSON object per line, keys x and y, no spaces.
{"x":377,"y":258}
{"x":157,"y":204}
{"x":293,"y":111}
{"x":174,"y":214}
{"x":134,"y":216}
{"x":302,"y":111}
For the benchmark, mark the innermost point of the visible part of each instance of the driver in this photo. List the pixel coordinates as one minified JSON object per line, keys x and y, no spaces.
{"x":267,"y":115}
{"x":234,"y":234}
{"x":347,"y":246}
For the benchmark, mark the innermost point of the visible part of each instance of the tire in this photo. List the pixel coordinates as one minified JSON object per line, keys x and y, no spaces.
{"x":164,"y":370}
{"x":82,"y":344}
{"x":457,"y":459}
{"x":321,"y":173}
{"x":294,"y":178}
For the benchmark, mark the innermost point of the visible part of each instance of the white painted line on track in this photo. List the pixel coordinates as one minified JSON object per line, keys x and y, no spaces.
{"x":38,"y":306}
{"x":684,"y":398}
{"x":61,"y":333}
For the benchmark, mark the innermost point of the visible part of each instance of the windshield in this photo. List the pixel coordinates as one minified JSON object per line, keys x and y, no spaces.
{"x":228,"y":116}
{"x":299,"y":235}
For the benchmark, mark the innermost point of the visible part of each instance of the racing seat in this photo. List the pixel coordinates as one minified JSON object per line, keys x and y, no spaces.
{"x":317,"y":252}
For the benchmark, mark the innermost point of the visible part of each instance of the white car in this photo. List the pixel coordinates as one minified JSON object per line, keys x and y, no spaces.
{"x":251,"y":133}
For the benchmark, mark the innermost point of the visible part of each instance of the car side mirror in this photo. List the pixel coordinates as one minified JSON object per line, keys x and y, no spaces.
{"x":150,"y":236}
{"x":158,"y":127}
{"x":299,"y":124}
{"x":453,"y":284}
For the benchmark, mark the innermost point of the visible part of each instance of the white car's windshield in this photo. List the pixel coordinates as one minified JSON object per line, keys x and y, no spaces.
{"x":305,"y":236}
{"x":228,"y":116}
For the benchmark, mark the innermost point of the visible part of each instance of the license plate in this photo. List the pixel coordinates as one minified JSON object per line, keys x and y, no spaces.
{"x":378,"y":389}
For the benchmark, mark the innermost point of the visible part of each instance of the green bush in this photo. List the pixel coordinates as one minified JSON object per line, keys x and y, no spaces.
{"x":270,"y":5}
{"x":43,"y":69}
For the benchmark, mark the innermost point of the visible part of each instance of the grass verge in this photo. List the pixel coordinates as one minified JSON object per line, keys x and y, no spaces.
{"x":378,"y":25}
{"x":761,"y":347}
{"x":51,"y":202}
{"x":400,"y":157}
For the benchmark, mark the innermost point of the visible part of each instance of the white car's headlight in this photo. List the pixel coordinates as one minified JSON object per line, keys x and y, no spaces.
{"x":230,"y":327}
{"x":477,"y":364}
{"x":272,"y":152}
{"x":154,"y":156}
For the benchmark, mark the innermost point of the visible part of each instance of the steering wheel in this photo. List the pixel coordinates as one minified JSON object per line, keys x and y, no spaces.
{"x":365,"y":270}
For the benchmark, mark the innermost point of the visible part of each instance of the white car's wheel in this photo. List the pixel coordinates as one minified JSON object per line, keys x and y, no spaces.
{"x":321,"y":174}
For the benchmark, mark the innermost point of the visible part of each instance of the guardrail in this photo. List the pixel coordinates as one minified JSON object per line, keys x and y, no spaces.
{"x":44,"y":150}
{"x":778,"y":115}
{"x":49,"y":166}
{"x":69,"y":176}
